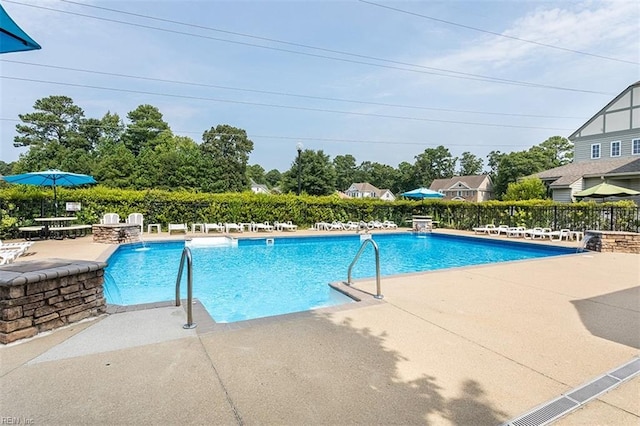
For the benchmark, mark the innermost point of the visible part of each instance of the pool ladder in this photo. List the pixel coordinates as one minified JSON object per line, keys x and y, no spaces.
{"x":186,"y":255}
{"x":378,"y":294}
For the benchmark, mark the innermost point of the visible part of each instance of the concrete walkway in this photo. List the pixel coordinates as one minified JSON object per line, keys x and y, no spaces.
{"x":477,"y":345}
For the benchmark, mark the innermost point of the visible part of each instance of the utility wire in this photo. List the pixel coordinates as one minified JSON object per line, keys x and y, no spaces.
{"x":298,"y":138}
{"x":550,"y":46}
{"x":85,"y":86}
{"x":442,"y":72}
{"x":267,"y":92}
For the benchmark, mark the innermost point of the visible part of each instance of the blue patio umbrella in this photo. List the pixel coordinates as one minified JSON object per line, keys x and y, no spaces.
{"x":422,"y":193}
{"x":53,"y":178}
{"x":12,"y":38}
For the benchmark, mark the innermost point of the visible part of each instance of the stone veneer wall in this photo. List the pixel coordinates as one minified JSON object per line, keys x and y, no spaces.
{"x":116,"y":233}
{"x":613,"y":241}
{"x":41,"y":295}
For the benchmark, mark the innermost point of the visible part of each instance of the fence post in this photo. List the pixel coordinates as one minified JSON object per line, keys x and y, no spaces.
{"x":611,"y":219}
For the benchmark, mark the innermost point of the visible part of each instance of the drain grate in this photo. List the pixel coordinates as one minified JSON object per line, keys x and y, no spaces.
{"x":627,"y":370}
{"x":546,"y":413}
{"x":558,"y":407}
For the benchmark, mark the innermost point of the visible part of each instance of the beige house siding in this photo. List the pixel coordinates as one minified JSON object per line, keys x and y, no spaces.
{"x":475,"y":188}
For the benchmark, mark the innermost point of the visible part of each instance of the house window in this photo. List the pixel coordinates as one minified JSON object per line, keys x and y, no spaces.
{"x":595,"y":150}
{"x":615,"y":149}
{"x":635,"y":147}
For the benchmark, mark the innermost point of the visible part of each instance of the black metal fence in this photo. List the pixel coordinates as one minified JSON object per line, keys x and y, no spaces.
{"x":577,"y":218}
{"x":448,"y":215}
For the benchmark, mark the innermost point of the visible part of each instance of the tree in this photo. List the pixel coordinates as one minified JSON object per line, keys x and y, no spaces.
{"x":116,"y":166}
{"x":317,"y":174}
{"x":273,"y":177}
{"x":56,"y":119}
{"x":557,"y":151}
{"x":516,"y":165}
{"x":255,"y":172}
{"x":470,"y":164}
{"x":494,"y":158}
{"x":145,"y":127}
{"x":526,"y":189}
{"x":345,"y":167}
{"x":379,"y":175}
{"x":434,"y":163}
{"x":406,"y":178}
{"x":228,"y":149}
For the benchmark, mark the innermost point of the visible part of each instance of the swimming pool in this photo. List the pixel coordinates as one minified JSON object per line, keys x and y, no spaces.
{"x":260,"y":277}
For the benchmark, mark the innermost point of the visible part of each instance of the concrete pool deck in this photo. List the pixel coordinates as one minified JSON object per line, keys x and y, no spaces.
{"x":475,"y":345}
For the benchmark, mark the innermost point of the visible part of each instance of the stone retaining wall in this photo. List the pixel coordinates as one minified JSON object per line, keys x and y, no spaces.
{"x":41,"y":295}
{"x":612,"y":241}
{"x":116,"y":233}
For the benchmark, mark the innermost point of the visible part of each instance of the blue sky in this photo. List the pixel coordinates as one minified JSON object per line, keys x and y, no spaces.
{"x":381,"y":81}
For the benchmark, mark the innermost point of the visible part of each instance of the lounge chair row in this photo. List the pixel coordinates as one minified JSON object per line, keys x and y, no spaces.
{"x":233,"y":227}
{"x":531,"y":233}
{"x":353,"y":226}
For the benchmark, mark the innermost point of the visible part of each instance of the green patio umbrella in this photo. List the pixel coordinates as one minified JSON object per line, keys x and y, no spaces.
{"x":604,"y":190}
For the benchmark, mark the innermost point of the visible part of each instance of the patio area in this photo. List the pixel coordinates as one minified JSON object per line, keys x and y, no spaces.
{"x":476,"y":345}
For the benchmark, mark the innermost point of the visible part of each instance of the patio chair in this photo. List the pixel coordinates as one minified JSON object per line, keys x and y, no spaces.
{"x":8,"y":256}
{"x":516,"y":231}
{"x":110,"y":218}
{"x":265,"y":226}
{"x":218,"y":227}
{"x":233,"y":227}
{"x":484,"y":229}
{"x":177,"y":227}
{"x":136,"y":219}
{"x":501,"y":229}
{"x":284,"y":226}
{"x":20,"y":247}
{"x":387,"y":224}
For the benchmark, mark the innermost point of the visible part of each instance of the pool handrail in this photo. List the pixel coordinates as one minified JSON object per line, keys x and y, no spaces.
{"x":378,"y":294}
{"x":186,"y":255}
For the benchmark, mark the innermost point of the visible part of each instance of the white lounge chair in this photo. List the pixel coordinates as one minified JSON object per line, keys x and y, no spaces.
{"x":110,"y":218}
{"x":516,"y":231}
{"x":501,"y":229}
{"x":265,"y":226}
{"x":484,"y":229}
{"x":177,"y":227}
{"x":285,"y":226}
{"x":389,"y":224}
{"x":322,"y":226}
{"x":20,"y":247}
{"x":232,"y":227}
{"x":351,"y":226}
{"x":218,"y":227}
{"x":8,"y":256}
{"x":136,"y":219}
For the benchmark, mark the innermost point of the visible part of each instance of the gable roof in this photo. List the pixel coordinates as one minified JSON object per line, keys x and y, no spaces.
{"x":613,"y":101}
{"x":590,"y":169}
{"x":471,"y":181}
{"x":364,"y":187}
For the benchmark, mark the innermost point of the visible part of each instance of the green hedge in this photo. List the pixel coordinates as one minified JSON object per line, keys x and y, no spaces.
{"x":20,"y":204}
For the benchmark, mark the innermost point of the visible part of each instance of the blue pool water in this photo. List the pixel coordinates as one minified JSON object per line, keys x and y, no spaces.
{"x":254,"y":279}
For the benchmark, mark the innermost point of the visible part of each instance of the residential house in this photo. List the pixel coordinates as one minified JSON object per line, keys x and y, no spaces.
{"x":606,"y":147}
{"x":474,"y":188}
{"x":259,"y":188}
{"x":366,"y":190}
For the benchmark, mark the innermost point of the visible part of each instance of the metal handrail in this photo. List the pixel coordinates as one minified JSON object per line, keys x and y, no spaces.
{"x":186,"y":255}
{"x":378,"y":294}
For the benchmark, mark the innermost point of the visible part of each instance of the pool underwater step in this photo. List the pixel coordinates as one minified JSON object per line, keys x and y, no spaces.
{"x":556,"y":408}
